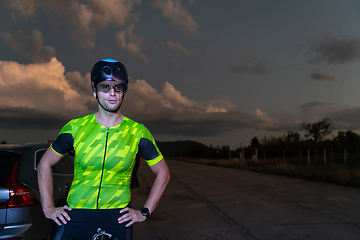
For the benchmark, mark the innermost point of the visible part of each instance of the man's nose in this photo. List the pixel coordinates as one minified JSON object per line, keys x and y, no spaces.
{"x":112,"y":90}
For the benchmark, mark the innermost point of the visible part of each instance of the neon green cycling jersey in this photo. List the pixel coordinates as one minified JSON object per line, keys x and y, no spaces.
{"x":104,"y":159}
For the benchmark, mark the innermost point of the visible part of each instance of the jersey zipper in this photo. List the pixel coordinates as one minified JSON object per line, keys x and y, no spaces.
{"x":103,"y":166}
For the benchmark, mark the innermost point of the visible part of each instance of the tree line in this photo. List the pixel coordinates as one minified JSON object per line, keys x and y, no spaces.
{"x":316,"y":139}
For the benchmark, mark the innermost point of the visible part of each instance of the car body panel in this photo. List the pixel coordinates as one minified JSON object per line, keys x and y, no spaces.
{"x":18,"y":221}
{"x":2,"y":218}
{"x":4,"y":196}
{"x":29,"y":222}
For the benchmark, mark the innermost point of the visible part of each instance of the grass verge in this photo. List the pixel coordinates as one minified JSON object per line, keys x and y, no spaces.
{"x":335,"y":171}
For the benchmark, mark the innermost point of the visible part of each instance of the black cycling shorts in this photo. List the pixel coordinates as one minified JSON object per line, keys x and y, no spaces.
{"x":86,"y":223}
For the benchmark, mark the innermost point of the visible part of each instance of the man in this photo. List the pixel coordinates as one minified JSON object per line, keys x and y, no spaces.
{"x":105,"y":145}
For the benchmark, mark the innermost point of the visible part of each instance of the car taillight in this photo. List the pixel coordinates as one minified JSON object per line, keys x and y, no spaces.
{"x":20,"y":195}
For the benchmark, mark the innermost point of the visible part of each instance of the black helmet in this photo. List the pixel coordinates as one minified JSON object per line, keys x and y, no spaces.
{"x":109,"y":70}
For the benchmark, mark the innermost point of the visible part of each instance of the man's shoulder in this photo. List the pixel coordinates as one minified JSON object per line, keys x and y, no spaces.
{"x":87,"y":118}
{"x":79,"y":121}
{"x":130,"y":121}
{"x":133,"y":124}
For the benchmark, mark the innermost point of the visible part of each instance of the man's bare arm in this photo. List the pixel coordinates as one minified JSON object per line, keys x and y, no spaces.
{"x":45,"y":180}
{"x":162,"y":173}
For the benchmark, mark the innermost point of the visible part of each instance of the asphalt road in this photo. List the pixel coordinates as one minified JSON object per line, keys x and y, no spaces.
{"x":206,"y":202}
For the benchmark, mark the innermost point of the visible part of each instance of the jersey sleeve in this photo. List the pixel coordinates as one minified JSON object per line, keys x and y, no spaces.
{"x":148,"y":148}
{"x":64,"y":142}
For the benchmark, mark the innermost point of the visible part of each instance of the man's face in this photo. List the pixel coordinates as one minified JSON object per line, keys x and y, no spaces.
{"x":110,"y":94}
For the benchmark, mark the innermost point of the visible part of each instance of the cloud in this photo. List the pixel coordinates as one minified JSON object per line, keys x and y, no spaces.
{"x":145,"y":103}
{"x":29,"y":118}
{"x":317,"y":75}
{"x":221,"y":103}
{"x":263,"y":117}
{"x":85,"y":19}
{"x":169,"y":112}
{"x":29,"y":43}
{"x":78,"y":83}
{"x":333,"y":50}
{"x":144,"y":100}
{"x":347,"y":118}
{"x":343,"y":117}
{"x":40,"y":88}
{"x":52,"y":97}
{"x":175,"y":63}
{"x":129,"y":41}
{"x":319,"y":108}
{"x":250,"y":64}
{"x":178,"y":14}
{"x":191,"y":79}
{"x":25,"y":8}
{"x":178,"y":46}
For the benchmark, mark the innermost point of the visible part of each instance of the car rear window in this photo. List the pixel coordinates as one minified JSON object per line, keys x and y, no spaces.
{"x":7,"y":161}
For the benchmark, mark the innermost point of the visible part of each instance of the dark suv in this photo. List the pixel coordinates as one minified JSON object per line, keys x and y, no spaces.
{"x":21,"y":215}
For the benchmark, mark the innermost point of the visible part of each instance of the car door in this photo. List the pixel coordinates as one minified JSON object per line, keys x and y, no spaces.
{"x":63,"y":173}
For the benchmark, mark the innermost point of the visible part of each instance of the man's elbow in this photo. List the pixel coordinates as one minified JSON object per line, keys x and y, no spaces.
{"x":164,"y":175}
{"x":43,"y":168}
{"x":40,"y":170}
{"x":167,"y":177}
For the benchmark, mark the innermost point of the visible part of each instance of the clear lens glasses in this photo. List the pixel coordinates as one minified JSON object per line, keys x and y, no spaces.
{"x":106,"y":88}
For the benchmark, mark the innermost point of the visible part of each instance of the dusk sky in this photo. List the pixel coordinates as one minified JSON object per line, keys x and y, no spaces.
{"x":216,"y":72}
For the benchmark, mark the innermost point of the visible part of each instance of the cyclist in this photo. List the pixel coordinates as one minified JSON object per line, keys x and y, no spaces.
{"x":105,"y":145}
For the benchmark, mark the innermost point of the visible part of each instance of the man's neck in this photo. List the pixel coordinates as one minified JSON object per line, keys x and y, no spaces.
{"x":109,"y":119}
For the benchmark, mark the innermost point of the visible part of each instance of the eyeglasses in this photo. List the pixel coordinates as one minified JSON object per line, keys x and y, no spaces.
{"x":106,"y":88}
